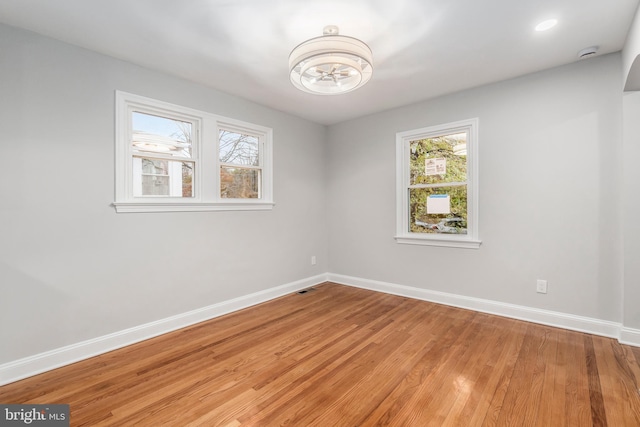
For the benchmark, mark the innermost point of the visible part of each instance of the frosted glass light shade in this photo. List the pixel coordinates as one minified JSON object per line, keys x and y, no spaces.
{"x":331,"y":64}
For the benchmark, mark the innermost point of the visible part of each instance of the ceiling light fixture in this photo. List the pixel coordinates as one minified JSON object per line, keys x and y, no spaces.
{"x":330,"y":64}
{"x":546,"y":25}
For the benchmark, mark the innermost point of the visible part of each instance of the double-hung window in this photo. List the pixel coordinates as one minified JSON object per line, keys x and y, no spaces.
{"x":163,"y":154}
{"x":437,"y":185}
{"x":171,"y":158}
{"x":240,"y":168}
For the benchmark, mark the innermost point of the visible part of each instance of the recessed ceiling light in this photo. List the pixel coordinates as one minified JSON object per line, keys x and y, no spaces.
{"x":546,"y":25}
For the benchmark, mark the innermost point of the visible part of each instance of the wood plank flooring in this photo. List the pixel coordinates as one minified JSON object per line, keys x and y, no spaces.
{"x":341,"y":356}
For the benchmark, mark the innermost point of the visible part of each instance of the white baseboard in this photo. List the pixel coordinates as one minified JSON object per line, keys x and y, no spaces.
{"x":33,"y":365}
{"x":535,"y":315}
{"x":630,"y":336}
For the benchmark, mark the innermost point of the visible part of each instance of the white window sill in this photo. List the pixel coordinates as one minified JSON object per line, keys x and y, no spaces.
{"x":131,"y":207}
{"x":438,"y":241}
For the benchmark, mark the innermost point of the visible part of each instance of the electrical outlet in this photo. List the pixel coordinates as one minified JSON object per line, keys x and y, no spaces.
{"x":541,"y":286}
{"x":313,"y":260}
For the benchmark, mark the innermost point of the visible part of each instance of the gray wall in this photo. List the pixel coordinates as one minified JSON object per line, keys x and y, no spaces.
{"x":72,"y":269}
{"x":550,"y":156}
{"x":631,"y":209}
{"x":631,"y":55}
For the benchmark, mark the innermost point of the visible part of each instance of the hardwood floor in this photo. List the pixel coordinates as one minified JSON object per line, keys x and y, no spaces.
{"x":341,"y":356}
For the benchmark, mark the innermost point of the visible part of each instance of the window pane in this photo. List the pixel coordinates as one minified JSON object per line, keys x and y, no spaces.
{"x":155,"y":167}
{"x":156,"y":177}
{"x":239,"y":149}
{"x":439,"y":160}
{"x":155,"y":134}
{"x":155,"y":185}
{"x":187,"y":179}
{"x":239,"y":183}
{"x":441,"y":210}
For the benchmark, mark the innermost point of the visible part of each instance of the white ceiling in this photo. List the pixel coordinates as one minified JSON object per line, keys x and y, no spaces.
{"x":421,"y":48}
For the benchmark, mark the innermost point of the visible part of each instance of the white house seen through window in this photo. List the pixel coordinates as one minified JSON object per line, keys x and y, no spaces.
{"x":162,"y":148}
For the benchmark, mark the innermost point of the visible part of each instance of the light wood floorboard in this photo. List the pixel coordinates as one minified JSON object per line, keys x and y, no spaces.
{"x":342,"y":356}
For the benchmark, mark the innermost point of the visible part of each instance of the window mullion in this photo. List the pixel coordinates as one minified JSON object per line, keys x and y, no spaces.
{"x":445,"y":184}
{"x":235,"y":165}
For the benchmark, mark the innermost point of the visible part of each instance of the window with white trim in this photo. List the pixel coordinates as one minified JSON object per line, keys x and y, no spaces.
{"x":437,"y":185}
{"x":171,"y":158}
{"x":163,"y":155}
{"x":240,"y":169}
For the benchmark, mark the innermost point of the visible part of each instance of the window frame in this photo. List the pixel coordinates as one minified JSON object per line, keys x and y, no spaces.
{"x":403,"y":185}
{"x":204,"y":156}
{"x":251,"y":132}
